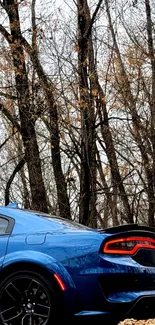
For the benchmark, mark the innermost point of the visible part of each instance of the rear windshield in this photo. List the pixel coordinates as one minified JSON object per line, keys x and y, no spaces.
{"x":61,"y":222}
{"x":64,"y":222}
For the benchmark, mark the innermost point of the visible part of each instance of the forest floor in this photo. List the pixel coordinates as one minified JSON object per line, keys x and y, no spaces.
{"x":137,"y":322}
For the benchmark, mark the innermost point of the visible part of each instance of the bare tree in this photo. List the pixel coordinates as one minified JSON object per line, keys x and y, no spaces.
{"x":27,"y":114}
{"x":26,"y":110}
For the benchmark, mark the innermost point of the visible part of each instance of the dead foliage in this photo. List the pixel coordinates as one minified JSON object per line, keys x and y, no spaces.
{"x":132,"y":321}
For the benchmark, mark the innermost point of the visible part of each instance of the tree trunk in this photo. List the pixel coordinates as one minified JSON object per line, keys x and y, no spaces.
{"x":27,"y":121}
{"x":53,"y":127}
{"x":61,"y":185}
{"x":140,"y":135}
{"x":87,"y":209}
{"x":152,"y":104}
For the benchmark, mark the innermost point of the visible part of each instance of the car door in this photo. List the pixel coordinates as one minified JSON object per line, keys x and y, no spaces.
{"x":6,"y":226}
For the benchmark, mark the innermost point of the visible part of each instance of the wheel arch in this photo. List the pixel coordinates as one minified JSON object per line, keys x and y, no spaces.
{"x":30,"y":266}
{"x":38,"y":271}
{"x":38,"y":260}
{"x":47,"y":267}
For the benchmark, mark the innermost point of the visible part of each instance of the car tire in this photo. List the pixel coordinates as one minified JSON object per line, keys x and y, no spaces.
{"x":28,"y":298}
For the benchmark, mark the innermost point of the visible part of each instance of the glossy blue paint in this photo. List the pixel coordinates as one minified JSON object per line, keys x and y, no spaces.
{"x":74,"y":253}
{"x":91,"y":313}
{"x":35,"y":239}
{"x":13,"y":205}
{"x":3,"y":248}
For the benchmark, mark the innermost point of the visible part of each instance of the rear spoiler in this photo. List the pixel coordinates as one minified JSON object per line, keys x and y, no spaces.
{"x":128,"y":227}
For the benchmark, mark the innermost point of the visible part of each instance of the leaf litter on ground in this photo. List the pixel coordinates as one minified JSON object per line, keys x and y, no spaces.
{"x":132,"y":321}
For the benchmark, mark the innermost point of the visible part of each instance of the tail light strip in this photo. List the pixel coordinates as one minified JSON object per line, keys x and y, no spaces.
{"x":128,"y":245}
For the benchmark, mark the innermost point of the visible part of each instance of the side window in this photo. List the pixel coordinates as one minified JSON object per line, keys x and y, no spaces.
{"x":3,"y":226}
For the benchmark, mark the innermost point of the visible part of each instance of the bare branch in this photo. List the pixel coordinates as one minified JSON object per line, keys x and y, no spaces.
{"x":7,"y":139}
{"x":7,"y":96}
{"x":88,"y":32}
{"x":34,"y":27}
{"x":5,"y":33}
{"x":9,"y":116}
{"x":16,"y":170}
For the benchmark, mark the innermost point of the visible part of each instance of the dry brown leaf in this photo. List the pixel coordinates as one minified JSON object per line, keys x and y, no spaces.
{"x":137,"y":322}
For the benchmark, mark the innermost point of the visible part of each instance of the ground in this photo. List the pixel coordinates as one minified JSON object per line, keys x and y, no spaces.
{"x":137,"y":322}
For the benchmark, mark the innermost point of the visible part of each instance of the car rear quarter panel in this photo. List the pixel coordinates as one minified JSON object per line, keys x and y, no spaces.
{"x":77,"y":259}
{"x":68,"y":255}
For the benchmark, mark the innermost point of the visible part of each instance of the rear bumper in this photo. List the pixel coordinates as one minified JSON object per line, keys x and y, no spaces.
{"x":142,"y":308}
{"x":114,"y":289}
{"x":99,"y":317}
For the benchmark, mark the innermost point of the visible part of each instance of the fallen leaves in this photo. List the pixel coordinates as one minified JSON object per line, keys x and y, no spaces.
{"x":132,"y":321}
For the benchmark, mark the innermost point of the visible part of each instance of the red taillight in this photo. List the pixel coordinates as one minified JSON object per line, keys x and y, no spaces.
{"x":128,"y":245}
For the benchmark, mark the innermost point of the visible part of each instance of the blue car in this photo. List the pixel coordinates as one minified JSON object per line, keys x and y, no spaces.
{"x":55,"y":269}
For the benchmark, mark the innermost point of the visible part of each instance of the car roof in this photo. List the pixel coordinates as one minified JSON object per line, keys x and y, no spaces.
{"x":27,"y":221}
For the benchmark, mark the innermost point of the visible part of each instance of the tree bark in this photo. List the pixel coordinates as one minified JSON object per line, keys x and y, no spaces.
{"x":140,"y":135}
{"x":53,"y":127}
{"x":87,"y":208}
{"x":16,"y":170}
{"x":152,"y":105}
{"x":27,"y":120}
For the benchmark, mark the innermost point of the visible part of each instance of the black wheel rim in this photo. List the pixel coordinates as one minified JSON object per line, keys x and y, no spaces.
{"x":24,"y":301}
